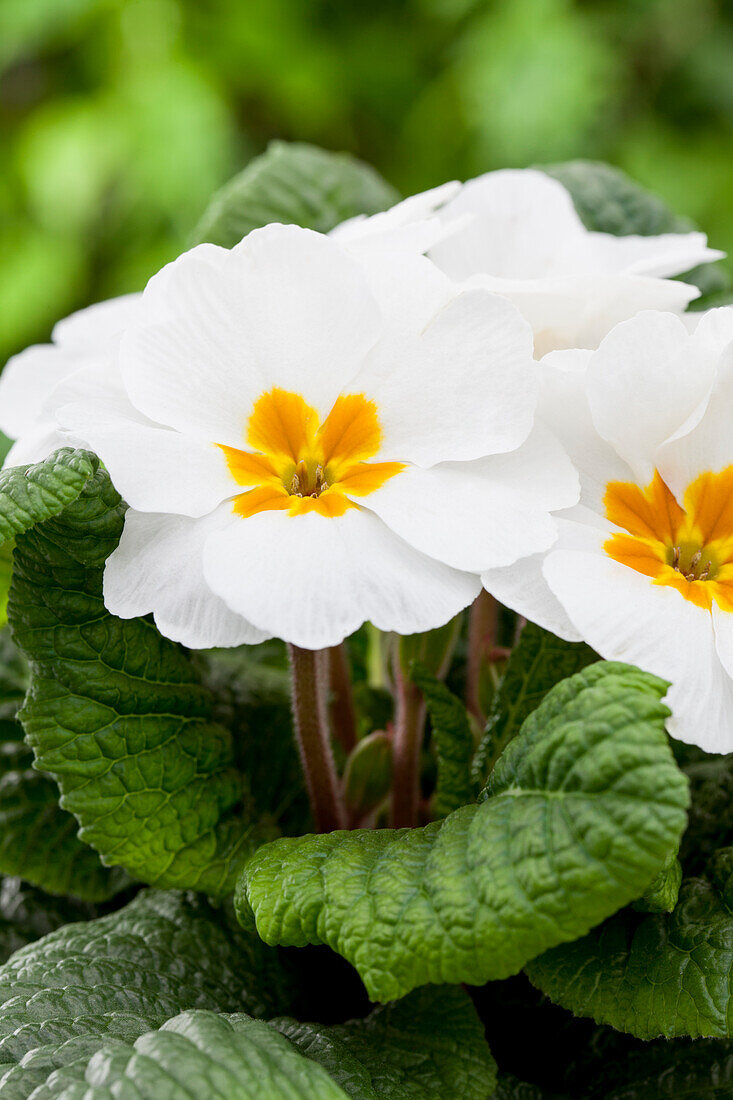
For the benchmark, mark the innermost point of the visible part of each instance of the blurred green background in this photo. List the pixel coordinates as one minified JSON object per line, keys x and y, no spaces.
{"x":119,"y":117}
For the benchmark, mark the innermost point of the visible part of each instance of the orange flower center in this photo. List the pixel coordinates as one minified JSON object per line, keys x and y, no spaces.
{"x":689,"y":548}
{"x":297,"y":465}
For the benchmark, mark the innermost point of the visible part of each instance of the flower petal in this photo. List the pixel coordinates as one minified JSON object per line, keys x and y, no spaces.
{"x":287,"y":308}
{"x":158,"y":567}
{"x":155,"y":469}
{"x":483,"y":514}
{"x":463,"y":388}
{"x":659,"y":256}
{"x":98,"y":326}
{"x":523,"y":588}
{"x":313,"y":580}
{"x":625,"y":617}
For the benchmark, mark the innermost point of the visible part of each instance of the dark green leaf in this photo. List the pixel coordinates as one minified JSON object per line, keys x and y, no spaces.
{"x":538,"y":662}
{"x":657,"y":974}
{"x":453,"y":739}
{"x":117,"y":714}
{"x":583,"y":809}
{"x":294,"y":183}
{"x":27,"y":913}
{"x":661,"y":895}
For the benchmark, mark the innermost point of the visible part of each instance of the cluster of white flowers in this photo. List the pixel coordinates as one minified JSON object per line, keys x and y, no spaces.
{"x":312,"y":431}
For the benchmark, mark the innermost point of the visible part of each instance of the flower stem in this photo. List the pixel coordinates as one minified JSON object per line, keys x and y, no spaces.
{"x":342,"y":699}
{"x":483,"y":621}
{"x":408,"y":739}
{"x":310,"y":713}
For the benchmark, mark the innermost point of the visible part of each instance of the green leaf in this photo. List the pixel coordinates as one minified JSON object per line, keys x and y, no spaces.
{"x":118,"y":715}
{"x":429,"y":1045}
{"x":294,"y":183}
{"x":453,"y":739}
{"x":538,"y":662}
{"x":509,"y":1088}
{"x":710,"y":825}
{"x":122,"y":975}
{"x":582,"y":811}
{"x":702,"y":1070}
{"x":30,"y":494}
{"x":196,"y":1054}
{"x":657,"y":974}
{"x":661,"y":895}
{"x":27,"y":913}
{"x":609,"y":201}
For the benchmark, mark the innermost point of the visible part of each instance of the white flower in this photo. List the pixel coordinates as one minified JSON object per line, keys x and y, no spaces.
{"x":643,"y":567}
{"x":310,"y":437}
{"x":518,"y":233}
{"x":88,"y":338}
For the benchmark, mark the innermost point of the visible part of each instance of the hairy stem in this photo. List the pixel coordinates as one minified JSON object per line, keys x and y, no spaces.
{"x":408,"y":739}
{"x":343,"y":714}
{"x":310,"y":714}
{"x":483,"y":622}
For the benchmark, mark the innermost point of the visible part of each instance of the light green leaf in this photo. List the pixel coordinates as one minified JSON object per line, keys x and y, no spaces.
{"x":294,"y":183}
{"x":117,"y":714}
{"x":656,"y":974}
{"x":30,"y":494}
{"x":430,"y":1045}
{"x":608,"y":201}
{"x":661,"y":895}
{"x":453,"y":739}
{"x":583,"y":809}
{"x":538,"y":662}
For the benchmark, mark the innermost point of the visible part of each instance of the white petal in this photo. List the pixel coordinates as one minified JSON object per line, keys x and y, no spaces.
{"x":657,"y":256}
{"x":26,"y":382}
{"x":523,"y":588}
{"x":409,"y":225}
{"x":287,"y":307}
{"x":155,"y":469}
{"x":463,"y":388}
{"x":483,"y":514}
{"x":409,"y":288}
{"x":708,"y":446}
{"x":564,"y":407}
{"x":37,"y":444}
{"x":313,"y":580}
{"x":97,"y":326}
{"x":158,"y":567}
{"x":644,"y":382}
{"x":625,"y":617}
{"x":522,"y":222}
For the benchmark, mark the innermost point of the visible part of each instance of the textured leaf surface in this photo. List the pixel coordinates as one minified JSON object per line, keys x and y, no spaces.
{"x":582,"y":811}
{"x":710,"y":825}
{"x":294,"y":183}
{"x":538,"y":662}
{"x":118,"y":715}
{"x":123,"y":975}
{"x":430,"y":1045}
{"x":699,"y":1071}
{"x":27,"y":913}
{"x":30,"y":494}
{"x":609,"y":201}
{"x":661,"y":895}
{"x":453,"y":739}
{"x":657,"y":974}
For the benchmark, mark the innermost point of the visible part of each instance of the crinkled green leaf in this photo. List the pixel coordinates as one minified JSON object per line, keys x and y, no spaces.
{"x":430,"y":1045}
{"x":583,"y":808}
{"x":27,"y":913}
{"x":655,"y":974}
{"x":538,"y":662}
{"x":294,"y":183}
{"x":453,"y":739}
{"x":118,"y":715}
{"x":710,"y":825}
{"x":196,"y":1054}
{"x":609,"y":201}
{"x":664,"y":1071}
{"x":122,"y":975}
{"x":30,"y":494}
{"x":662,"y":893}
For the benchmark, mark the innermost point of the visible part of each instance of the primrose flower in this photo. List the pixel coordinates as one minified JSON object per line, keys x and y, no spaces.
{"x":88,"y":338}
{"x":643,"y":566}
{"x":310,"y":437}
{"x":517,"y":233}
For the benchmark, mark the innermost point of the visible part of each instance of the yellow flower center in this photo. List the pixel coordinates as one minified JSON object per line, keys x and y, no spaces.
{"x":689,"y":548}
{"x":298,"y":465}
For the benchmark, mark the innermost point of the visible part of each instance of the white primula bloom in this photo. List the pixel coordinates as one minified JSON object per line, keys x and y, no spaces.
{"x":517,"y":232}
{"x":310,"y":436}
{"x":87,"y":339}
{"x":643,"y":567}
